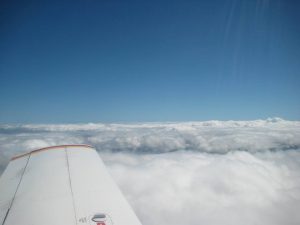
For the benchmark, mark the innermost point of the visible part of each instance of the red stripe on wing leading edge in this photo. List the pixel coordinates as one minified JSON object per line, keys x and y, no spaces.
{"x":51,"y":147}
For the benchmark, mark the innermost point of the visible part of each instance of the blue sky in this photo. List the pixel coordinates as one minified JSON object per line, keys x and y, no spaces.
{"x":127,"y":61}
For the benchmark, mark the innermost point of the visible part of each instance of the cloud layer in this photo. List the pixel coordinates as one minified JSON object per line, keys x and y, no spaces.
{"x":213,"y":172}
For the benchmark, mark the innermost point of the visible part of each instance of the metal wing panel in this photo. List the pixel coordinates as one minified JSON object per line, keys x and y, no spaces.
{"x":62,"y":185}
{"x":9,"y":183}
{"x":95,"y":192}
{"x":44,"y":195}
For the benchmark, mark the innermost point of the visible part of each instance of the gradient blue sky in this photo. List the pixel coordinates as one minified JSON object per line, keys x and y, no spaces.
{"x":124,"y":61}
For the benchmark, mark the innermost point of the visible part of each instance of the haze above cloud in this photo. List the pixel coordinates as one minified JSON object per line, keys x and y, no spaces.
{"x":212,"y":172}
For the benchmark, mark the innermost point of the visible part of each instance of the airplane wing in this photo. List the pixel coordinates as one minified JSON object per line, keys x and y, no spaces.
{"x":61,"y":185}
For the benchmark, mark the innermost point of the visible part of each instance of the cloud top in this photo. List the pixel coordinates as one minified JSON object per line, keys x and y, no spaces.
{"x":209,"y":136}
{"x":211,"y":172}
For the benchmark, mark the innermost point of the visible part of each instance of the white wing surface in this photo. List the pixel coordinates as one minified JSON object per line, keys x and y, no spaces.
{"x":61,"y":185}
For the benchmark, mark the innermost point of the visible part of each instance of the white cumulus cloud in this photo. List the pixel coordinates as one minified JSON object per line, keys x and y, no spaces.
{"x":212,"y":172}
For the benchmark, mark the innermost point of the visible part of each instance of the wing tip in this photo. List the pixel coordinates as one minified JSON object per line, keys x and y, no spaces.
{"x":50,"y":147}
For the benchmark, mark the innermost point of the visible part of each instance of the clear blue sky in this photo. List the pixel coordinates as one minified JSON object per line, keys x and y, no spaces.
{"x":124,"y":61}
